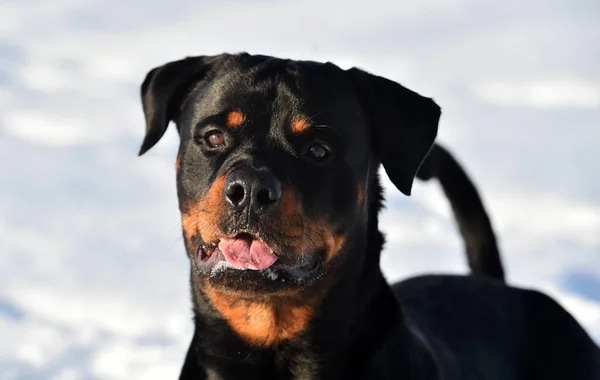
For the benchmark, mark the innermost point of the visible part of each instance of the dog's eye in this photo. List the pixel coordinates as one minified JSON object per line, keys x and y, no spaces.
{"x":215,"y":138}
{"x":318,"y":152}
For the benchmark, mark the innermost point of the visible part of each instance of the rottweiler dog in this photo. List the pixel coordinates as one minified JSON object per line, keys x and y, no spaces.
{"x":279,"y":196}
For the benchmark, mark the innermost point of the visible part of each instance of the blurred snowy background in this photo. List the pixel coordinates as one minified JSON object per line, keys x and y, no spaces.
{"x":93,"y":276}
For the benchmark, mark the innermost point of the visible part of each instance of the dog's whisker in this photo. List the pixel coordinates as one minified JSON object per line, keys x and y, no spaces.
{"x":174,"y":243}
{"x":178,"y":224}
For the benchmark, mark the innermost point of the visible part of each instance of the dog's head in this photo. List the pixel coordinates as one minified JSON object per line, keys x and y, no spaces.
{"x":275,"y":162}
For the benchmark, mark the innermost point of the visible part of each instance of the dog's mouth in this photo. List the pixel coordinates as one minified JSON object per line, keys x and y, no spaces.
{"x":243,"y":251}
{"x":247,"y":252}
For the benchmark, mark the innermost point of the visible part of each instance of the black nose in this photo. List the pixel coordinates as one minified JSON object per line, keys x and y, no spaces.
{"x":257,"y":190}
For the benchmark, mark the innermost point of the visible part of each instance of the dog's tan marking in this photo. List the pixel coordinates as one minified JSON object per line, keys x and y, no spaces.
{"x":234,"y":119}
{"x":334,"y":243}
{"x":262,"y":323}
{"x":300,"y":124}
{"x":201,"y":218}
{"x":307,"y":235}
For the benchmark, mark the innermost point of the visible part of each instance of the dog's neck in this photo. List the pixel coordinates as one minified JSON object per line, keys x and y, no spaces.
{"x":354,"y":318}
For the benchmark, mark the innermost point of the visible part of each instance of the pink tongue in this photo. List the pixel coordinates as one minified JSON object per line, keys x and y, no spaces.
{"x":247,"y":254}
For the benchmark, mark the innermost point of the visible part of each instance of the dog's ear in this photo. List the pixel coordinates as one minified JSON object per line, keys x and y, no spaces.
{"x":403,"y":125}
{"x":164,"y":90}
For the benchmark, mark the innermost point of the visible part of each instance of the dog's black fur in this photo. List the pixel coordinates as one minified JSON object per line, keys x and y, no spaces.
{"x":309,"y":137}
{"x":473,"y":222}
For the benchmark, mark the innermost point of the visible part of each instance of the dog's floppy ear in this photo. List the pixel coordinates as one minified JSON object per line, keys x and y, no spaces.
{"x":165,"y":88}
{"x":403,"y":125}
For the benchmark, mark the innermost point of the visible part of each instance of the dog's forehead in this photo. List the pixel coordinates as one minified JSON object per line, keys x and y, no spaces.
{"x":269,"y":87}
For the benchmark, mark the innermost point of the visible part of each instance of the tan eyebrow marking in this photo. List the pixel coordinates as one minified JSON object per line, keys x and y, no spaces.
{"x":300,"y":124}
{"x":234,"y":119}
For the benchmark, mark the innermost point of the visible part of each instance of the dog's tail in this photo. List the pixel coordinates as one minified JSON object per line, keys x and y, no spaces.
{"x":470,"y":214}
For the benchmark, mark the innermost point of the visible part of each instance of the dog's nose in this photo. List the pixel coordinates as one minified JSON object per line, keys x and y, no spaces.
{"x":257,"y":190}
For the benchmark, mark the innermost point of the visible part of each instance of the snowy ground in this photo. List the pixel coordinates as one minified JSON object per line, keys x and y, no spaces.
{"x":93,"y":278}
